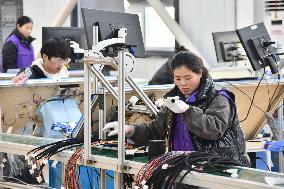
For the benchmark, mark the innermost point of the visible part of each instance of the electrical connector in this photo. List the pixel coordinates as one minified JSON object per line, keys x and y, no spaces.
{"x":4,"y":160}
{"x":165,"y":166}
{"x":34,"y":166}
{"x":31,"y":171}
{"x":143,"y":182}
{"x":54,"y":164}
{"x":39,"y":179}
{"x":145,"y":187}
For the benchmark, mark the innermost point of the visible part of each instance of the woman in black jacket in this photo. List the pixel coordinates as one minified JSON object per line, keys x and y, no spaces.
{"x":202,"y":118}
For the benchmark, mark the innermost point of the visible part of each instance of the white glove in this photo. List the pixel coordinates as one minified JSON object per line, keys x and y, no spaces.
{"x":113,"y":128}
{"x":160,"y":102}
{"x":176,"y":105}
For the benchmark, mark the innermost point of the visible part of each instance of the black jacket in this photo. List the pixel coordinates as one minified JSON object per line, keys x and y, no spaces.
{"x":9,"y":51}
{"x":37,"y":73}
{"x":212,"y":122}
{"x":163,"y":75}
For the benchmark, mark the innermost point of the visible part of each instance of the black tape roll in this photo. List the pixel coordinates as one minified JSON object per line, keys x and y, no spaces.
{"x":156,"y":148}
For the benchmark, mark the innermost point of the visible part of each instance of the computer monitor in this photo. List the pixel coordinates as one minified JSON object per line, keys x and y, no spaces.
{"x":258,"y":46}
{"x":68,"y":33}
{"x":227,"y":46}
{"x":108,"y":23}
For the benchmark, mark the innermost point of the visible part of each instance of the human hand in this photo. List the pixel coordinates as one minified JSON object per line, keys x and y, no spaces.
{"x":175,"y":105}
{"x":113,"y":128}
{"x":22,"y":77}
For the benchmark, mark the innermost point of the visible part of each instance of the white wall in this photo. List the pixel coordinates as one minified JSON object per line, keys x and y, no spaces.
{"x":43,"y":13}
{"x":200,"y":18}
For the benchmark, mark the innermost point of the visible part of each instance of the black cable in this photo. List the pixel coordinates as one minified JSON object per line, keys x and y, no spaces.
{"x":263,"y":162}
{"x":245,"y":95}
{"x":166,"y":178}
{"x":252,"y":99}
{"x":22,"y":182}
{"x":278,"y":84}
{"x":89,"y":178}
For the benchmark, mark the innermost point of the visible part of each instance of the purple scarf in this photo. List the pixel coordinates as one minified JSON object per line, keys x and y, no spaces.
{"x":181,"y":137}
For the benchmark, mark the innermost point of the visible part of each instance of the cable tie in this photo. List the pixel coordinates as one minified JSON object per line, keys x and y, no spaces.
{"x":27,"y":158}
{"x":235,"y":175}
{"x":4,"y":160}
{"x":30,"y":162}
{"x":232,"y":171}
{"x":34,"y":166}
{"x":39,"y":179}
{"x":143,"y":182}
{"x":165,"y":166}
{"x":31,"y":171}
{"x":54,"y":164}
{"x":45,"y":161}
{"x":145,"y":187}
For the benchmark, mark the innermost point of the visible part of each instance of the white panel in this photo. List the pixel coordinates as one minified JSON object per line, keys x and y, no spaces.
{"x":200,"y":18}
{"x":43,"y":13}
{"x":108,"y":5}
{"x":245,"y":13}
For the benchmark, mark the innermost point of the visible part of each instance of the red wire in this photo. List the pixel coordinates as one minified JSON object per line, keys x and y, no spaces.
{"x":276,"y":10}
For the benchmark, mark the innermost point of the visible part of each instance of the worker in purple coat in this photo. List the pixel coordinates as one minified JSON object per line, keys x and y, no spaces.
{"x":18,"y":51}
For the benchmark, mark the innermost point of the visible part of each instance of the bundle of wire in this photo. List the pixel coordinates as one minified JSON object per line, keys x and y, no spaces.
{"x":165,"y":171}
{"x":45,"y":152}
{"x":48,"y":150}
{"x":71,"y":178}
{"x":72,"y":175}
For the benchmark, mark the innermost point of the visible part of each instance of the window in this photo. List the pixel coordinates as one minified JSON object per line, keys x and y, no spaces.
{"x":158,"y":37}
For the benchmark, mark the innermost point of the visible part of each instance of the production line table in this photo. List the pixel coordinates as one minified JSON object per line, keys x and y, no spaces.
{"x":248,"y":178}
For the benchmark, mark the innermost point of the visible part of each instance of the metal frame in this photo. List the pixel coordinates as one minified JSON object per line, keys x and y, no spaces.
{"x":89,"y":69}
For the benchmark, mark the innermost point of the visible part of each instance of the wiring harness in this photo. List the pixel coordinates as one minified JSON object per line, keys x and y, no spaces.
{"x":166,"y":171}
{"x":39,"y":157}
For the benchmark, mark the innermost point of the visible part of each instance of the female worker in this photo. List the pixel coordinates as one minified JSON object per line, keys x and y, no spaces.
{"x":17,"y":51}
{"x":203,"y":118}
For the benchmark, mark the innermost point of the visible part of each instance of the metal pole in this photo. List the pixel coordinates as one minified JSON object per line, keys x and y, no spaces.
{"x":280,"y":126}
{"x":102,"y":115}
{"x":141,"y":93}
{"x":105,"y":82}
{"x":87,"y":113}
{"x":121,"y":115}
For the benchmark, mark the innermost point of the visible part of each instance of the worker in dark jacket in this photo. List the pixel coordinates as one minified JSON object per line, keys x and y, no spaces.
{"x":18,"y":51}
{"x":201,"y":118}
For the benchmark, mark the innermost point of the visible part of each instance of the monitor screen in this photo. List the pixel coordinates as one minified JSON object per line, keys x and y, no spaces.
{"x":68,"y":33}
{"x":227,"y":46}
{"x":258,"y":46}
{"x":108,"y":23}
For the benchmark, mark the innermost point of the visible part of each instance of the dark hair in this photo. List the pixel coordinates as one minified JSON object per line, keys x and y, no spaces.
{"x":181,"y":48}
{"x":190,"y":61}
{"x":55,"y":47}
{"x":23,"y":20}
